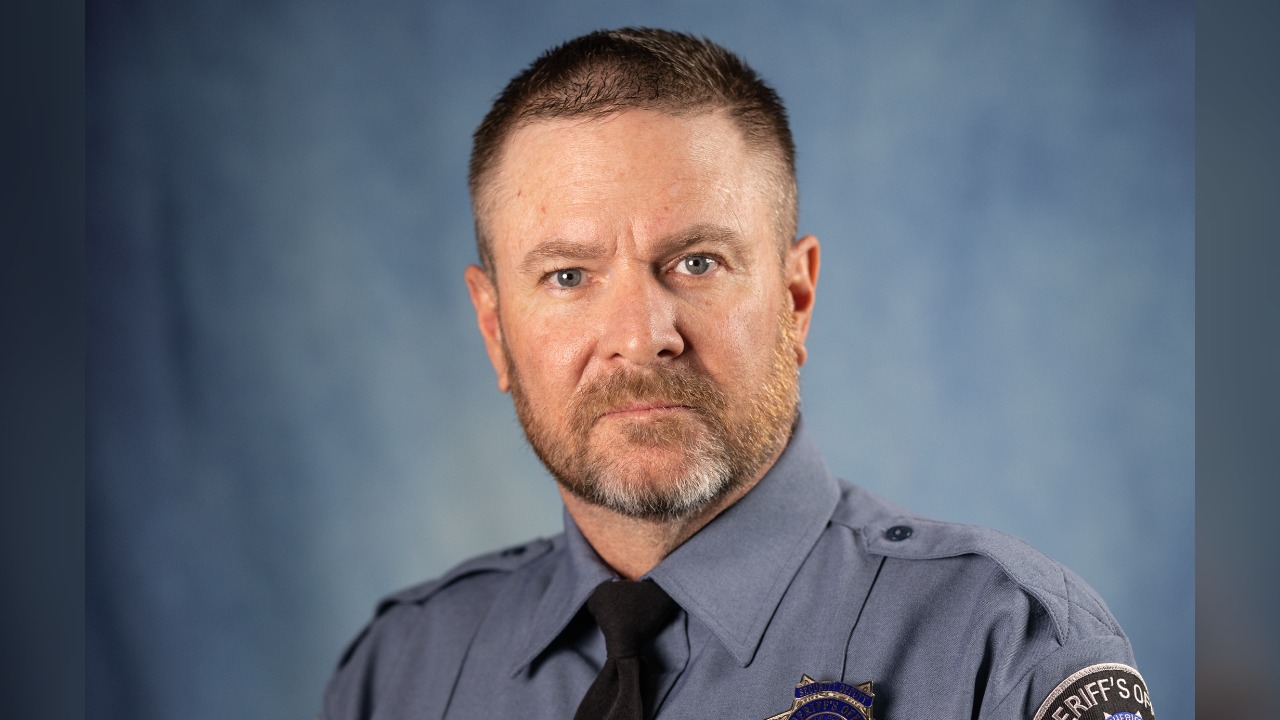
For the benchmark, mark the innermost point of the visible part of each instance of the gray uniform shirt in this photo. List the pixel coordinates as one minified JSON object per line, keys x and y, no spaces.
{"x":806,"y":576}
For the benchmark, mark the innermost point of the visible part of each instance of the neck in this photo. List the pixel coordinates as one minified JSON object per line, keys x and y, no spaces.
{"x":634,"y":546}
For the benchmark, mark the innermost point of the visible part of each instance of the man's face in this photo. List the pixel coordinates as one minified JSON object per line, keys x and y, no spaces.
{"x":650,"y":322}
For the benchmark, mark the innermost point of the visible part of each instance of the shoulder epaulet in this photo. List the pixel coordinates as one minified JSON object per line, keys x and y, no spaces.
{"x":500,"y":561}
{"x":1053,"y":586}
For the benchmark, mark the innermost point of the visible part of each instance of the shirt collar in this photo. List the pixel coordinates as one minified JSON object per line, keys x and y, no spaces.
{"x":774,"y":527}
{"x":577,"y":573}
{"x":776,"y":524}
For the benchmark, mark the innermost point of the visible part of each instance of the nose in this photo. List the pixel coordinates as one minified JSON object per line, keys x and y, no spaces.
{"x":640,"y":321}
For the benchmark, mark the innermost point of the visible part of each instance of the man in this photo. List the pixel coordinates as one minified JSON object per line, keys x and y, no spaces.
{"x":642,"y":298}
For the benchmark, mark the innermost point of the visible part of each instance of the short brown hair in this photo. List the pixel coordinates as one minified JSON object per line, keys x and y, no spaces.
{"x":609,"y":71}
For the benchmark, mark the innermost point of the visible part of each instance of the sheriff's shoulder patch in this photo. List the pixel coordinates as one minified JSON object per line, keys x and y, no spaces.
{"x":1109,"y":691}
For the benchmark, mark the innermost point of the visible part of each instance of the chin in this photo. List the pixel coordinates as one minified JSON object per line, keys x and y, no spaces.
{"x":658,"y":473}
{"x":655,"y":484}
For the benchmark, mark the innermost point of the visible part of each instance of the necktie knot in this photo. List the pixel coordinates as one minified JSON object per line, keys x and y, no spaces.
{"x":630,"y":614}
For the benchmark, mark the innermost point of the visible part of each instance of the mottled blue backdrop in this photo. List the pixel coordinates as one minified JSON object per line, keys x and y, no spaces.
{"x":291,"y":413}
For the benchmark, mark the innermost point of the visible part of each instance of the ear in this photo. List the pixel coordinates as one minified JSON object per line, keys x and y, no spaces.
{"x":802,"y":283}
{"x":484,"y":296}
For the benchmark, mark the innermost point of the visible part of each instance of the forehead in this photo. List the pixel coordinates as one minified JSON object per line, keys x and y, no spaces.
{"x":631,"y":135}
{"x":633,"y":173}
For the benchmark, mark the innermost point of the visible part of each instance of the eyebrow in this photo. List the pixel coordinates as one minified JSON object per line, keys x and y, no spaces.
{"x":559,"y":249}
{"x":699,"y":234}
{"x":556,"y":249}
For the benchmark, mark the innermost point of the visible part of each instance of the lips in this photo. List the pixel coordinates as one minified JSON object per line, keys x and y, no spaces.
{"x":667,"y":392}
{"x":639,"y":409}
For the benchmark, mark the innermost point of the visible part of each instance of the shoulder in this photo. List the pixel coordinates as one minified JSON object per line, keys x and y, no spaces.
{"x":888,"y":530}
{"x":441,"y":614}
{"x":473,"y":577}
{"x":465,"y":589}
{"x":1039,"y":630}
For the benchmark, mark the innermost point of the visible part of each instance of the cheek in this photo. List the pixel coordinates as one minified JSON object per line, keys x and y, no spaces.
{"x":739,"y":339}
{"x":549,"y":357}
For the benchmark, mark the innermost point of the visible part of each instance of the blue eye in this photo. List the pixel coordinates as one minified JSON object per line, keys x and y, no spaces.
{"x":695,"y":265}
{"x":568,"y":278}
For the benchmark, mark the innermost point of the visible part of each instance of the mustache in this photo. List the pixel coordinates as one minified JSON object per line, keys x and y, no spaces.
{"x":667,"y":385}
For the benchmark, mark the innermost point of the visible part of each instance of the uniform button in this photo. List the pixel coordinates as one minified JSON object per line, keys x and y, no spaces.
{"x":898,"y":533}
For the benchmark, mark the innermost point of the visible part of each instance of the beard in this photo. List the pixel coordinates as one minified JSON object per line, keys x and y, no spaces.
{"x":716,"y":448}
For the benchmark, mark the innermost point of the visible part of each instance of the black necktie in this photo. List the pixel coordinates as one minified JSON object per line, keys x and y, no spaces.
{"x":630,"y":614}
